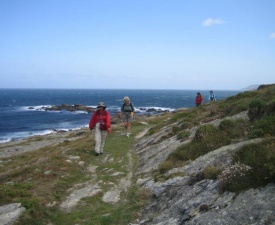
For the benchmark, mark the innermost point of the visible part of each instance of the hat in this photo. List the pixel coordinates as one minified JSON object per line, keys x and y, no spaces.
{"x":101,"y":104}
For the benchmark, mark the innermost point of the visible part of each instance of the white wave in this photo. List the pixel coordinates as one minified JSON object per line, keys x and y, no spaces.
{"x":43,"y":108}
{"x":153,"y":108}
{"x":5,"y":140}
{"x":35,"y":108}
{"x":112,"y":108}
{"x":20,"y":135}
{"x":80,"y":112}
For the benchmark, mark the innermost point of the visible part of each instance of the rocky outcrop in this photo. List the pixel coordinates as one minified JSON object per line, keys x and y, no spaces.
{"x":10,"y":213}
{"x":70,"y":108}
{"x":189,"y":198}
{"x":185,"y":198}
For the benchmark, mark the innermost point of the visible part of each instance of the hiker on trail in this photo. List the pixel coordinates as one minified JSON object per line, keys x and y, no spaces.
{"x":212,"y":96}
{"x":199,"y":99}
{"x":101,"y":123}
{"x":127,"y":110}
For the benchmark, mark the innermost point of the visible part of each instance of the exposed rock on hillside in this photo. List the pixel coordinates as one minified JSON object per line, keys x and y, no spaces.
{"x":10,"y":213}
{"x":191,"y":199}
{"x":180,"y":195}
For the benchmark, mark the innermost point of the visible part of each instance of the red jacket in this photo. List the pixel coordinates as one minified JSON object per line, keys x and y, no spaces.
{"x":199,"y":99}
{"x":100,"y":116}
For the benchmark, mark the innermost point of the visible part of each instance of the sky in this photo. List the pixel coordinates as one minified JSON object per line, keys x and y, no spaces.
{"x":137,"y":44}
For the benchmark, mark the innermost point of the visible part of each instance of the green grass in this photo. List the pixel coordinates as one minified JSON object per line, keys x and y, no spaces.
{"x":260,"y":106}
{"x":28,"y":183}
{"x":23,"y":178}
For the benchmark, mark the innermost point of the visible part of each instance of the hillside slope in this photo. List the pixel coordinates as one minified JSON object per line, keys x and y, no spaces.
{"x":212,"y":187}
{"x":213,"y":164}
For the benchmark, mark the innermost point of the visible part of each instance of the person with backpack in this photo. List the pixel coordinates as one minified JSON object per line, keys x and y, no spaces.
{"x":199,"y":99}
{"x":212,"y":96}
{"x":127,"y":111}
{"x":100,"y":122}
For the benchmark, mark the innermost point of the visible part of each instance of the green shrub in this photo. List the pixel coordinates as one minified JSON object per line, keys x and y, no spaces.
{"x":212,"y":172}
{"x":187,"y":115}
{"x":256,"y":109}
{"x":182,"y":153}
{"x":176,"y":129}
{"x":235,"y":178}
{"x":264,"y":127}
{"x":270,"y":108}
{"x":183,"y":135}
{"x":261,"y":158}
{"x":234,"y":108}
{"x":165,"y":166}
{"x":30,"y":203}
{"x":14,"y":190}
{"x":226,"y":125}
{"x":208,"y":138}
{"x":184,"y":125}
{"x":235,"y":128}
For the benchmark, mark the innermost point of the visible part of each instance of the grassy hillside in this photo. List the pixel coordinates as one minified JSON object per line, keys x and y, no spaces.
{"x":254,"y":162}
{"x":42,"y":179}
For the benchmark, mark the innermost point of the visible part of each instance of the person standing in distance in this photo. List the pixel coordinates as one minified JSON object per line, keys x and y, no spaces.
{"x":199,"y":99}
{"x":212,"y":96}
{"x":127,"y":111}
{"x":101,"y":123}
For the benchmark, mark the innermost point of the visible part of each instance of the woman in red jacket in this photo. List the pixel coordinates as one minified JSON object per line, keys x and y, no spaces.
{"x":101,"y":123}
{"x":199,"y":99}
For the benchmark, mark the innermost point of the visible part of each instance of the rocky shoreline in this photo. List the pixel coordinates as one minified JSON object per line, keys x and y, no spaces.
{"x":32,"y":143}
{"x":88,"y":109}
{"x":36,"y":142}
{"x":66,"y":107}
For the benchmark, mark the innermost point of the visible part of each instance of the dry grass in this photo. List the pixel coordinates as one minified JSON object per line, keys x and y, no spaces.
{"x":40,"y":180}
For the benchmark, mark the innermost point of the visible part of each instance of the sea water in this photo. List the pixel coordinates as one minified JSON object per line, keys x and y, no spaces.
{"x":21,"y":113}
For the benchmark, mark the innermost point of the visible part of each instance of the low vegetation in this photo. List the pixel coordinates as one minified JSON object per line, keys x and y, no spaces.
{"x":40,"y":180}
{"x":259,"y":158}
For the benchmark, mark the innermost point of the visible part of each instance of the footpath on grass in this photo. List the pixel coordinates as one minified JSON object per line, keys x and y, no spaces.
{"x":115,"y":165}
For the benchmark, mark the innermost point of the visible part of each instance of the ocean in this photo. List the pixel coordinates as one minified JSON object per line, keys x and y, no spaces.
{"x":21,"y":113}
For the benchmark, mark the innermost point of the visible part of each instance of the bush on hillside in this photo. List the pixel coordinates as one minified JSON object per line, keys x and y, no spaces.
{"x":264,"y":127}
{"x":212,"y":172}
{"x":235,"y":178}
{"x":235,"y":129}
{"x":270,"y":108}
{"x":256,"y":109}
{"x":261,"y":158}
{"x":183,"y":135}
{"x":209,"y":138}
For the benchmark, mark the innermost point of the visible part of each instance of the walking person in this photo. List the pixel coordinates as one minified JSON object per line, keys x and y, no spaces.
{"x":127,"y":110}
{"x":101,"y":123}
{"x":212,"y":96}
{"x":199,"y":99}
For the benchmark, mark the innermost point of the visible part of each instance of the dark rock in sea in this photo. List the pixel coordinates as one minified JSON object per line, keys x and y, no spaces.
{"x":70,"y":108}
{"x":61,"y":131}
{"x":151,"y":110}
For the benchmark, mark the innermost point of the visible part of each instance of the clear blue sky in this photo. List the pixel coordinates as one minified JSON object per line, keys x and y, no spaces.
{"x":155,"y":44}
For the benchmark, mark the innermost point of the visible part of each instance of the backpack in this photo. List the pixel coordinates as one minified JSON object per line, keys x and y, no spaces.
{"x":212,"y":96}
{"x":127,"y":108}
